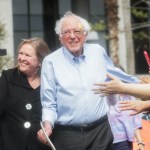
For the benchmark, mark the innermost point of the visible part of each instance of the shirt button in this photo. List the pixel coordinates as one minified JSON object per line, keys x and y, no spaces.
{"x":28,"y":106}
{"x":27,"y":124}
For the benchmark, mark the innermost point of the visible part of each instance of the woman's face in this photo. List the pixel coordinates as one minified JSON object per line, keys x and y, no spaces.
{"x":27,"y":60}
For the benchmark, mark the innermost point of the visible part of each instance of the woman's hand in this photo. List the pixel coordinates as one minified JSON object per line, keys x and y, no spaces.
{"x":111,"y":87}
{"x":137,"y":106}
{"x":145,"y":79}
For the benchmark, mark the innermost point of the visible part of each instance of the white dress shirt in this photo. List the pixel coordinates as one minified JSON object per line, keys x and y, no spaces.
{"x":67,"y":82}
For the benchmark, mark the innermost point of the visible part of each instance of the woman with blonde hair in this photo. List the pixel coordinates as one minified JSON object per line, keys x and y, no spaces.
{"x":20,"y":106}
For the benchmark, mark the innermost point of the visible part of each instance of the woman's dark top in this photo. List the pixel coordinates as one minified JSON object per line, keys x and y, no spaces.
{"x":20,"y":112}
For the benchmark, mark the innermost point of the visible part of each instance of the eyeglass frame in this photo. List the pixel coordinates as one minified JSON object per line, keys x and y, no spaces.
{"x":75,"y":32}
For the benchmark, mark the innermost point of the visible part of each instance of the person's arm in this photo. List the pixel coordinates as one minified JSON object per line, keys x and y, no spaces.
{"x":137,"y":106}
{"x":139,"y":139}
{"x":47,"y":93}
{"x":117,"y":72}
{"x":117,"y":86}
{"x":48,"y":129}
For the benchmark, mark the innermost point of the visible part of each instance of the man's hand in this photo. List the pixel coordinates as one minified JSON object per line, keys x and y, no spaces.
{"x":40,"y":134}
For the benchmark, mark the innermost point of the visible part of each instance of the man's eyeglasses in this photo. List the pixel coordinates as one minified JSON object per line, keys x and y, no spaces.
{"x":75,"y":32}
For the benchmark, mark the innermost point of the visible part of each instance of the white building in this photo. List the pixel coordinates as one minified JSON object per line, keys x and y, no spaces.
{"x":29,"y":18}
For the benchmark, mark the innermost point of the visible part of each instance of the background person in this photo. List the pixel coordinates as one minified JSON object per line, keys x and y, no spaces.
{"x":125,"y":128}
{"x":72,"y":115}
{"x":20,"y":106}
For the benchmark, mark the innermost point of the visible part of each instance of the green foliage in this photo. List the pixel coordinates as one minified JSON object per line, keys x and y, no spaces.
{"x":5,"y":61}
{"x":98,"y":26}
{"x":140,"y":18}
{"x":2,"y":31}
{"x":139,"y":13}
{"x":141,"y":35}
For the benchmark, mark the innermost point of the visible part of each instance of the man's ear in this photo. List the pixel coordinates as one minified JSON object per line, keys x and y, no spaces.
{"x":85,"y":33}
{"x":60,"y":38}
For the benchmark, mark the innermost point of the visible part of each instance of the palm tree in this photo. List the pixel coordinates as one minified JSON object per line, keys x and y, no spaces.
{"x":112,"y":22}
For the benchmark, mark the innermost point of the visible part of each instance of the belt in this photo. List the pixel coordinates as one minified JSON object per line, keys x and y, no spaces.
{"x":83,"y":128}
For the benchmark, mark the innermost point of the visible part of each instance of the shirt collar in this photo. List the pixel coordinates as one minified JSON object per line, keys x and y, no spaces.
{"x":73,"y":58}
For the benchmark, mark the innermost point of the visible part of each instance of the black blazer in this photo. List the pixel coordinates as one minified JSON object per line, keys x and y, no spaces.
{"x":20,"y":112}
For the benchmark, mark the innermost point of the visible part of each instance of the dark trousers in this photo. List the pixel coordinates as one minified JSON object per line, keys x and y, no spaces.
{"x":97,"y":138}
{"x":124,"y":145}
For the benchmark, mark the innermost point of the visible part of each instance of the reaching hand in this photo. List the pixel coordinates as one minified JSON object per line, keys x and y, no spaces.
{"x":137,"y":106}
{"x":113,"y":86}
{"x":144,"y":79}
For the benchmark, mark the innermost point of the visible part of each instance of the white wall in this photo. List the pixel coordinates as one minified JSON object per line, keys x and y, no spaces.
{"x":6,"y":18}
{"x":126,"y":49}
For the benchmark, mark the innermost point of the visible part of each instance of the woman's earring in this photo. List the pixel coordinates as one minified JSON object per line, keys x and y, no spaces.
{"x":37,"y":70}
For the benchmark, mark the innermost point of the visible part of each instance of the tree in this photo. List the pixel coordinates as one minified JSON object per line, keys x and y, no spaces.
{"x":112,"y":23}
{"x":140,"y":12}
{"x":5,"y":61}
{"x":2,"y":31}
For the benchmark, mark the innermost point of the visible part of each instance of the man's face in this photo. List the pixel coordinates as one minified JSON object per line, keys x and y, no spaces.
{"x":73,"y":35}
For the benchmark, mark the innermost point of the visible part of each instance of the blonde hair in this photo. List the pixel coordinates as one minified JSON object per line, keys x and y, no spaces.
{"x":40,"y":47}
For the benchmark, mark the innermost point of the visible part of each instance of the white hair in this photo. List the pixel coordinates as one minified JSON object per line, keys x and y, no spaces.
{"x":83,"y":22}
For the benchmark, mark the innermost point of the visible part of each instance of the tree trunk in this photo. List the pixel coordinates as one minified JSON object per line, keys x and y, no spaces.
{"x":112,"y":22}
